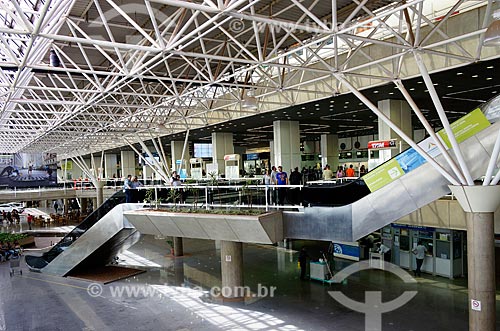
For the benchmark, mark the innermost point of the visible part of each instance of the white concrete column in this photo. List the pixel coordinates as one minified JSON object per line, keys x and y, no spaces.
{"x":271,"y":149}
{"x":330,"y":151}
{"x":222,"y":144}
{"x":110,"y":165}
{"x":127,"y":163}
{"x":232,"y":269}
{"x":178,"y":246}
{"x":176,"y":148}
{"x":399,"y":111}
{"x":287,"y":144}
{"x":480,"y":203}
{"x":99,"y":187}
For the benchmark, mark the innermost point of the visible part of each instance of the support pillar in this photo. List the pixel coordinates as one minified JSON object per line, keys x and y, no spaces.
{"x":94,"y":203}
{"x":480,"y":203}
{"x":330,"y":151}
{"x":99,"y":188}
{"x":232,"y":269}
{"x":84,"y":205}
{"x":178,"y":247}
{"x":287,"y":144}
{"x":399,"y":111}
{"x":128,"y":163}
{"x":110,"y":165}
{"x":222,"y":144}
{"x":176,"y":149}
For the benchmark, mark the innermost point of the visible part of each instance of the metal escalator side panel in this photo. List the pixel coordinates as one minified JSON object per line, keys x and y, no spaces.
{"x":88,"y":222}
{"x":419,"y":187}
{"x":96,"y":236}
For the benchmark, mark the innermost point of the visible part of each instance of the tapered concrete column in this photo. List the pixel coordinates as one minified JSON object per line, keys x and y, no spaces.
{"x":232,"y":269}
{"x":176,"y":150}
{"x":480,"y":203}
{"x":128,"y":163}
{"x":287,"y":144}
{"x":330,"y":151}
{"x":99,"y":187}
{"x":85,"y":204}
{"x":110,"y":168}
{"x":94,"y":203}
{"x":222,"y":144}
{"x":178,"y":247}
{"x":399,"y":111}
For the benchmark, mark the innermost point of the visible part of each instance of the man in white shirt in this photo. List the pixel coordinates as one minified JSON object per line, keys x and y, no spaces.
{"x":419,"y":251}
{"x":384,"y":250}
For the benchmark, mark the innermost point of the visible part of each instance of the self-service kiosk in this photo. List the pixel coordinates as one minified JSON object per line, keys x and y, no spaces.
{"x":196,"y":168}
{"x":232,"y":163}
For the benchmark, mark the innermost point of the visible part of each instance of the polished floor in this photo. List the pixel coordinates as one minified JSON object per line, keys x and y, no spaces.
{"x":174,"y":295}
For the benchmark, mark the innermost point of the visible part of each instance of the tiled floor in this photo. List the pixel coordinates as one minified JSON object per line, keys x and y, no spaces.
{"x":173,"y":295}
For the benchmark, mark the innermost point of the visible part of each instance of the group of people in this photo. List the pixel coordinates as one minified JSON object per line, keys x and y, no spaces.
{"x":11,"y":217}
{"x":130,"y":184}
{"x":341,"y":172}
{"x":277,"y":176}
{"x":9,"y":249}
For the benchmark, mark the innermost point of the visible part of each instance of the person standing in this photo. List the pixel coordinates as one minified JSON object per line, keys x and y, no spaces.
{"x":127,"y":186}
{"x":385,"y":251}
{"x":134,"y":184}
{"x":419,"y":252}
{"x":267,"y":181}
{"x":362,"y":170}
{"x":29,"y":219}
{"x":281,"y":179}
{"x":56,"y":206}
{"x":295,"y":179}
{"x":327,"y":173}
{"x":273,"y":182}
{"x":350,"y":172}
{"x":303,"y":263}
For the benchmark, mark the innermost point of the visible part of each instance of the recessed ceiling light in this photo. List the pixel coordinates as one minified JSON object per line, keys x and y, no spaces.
{"x":426,"y":91}
{"x":360,"y":104}
{"x":475,"y":76}
{"x":332,"y":101}
{"x":391,"y":93}
{"x":489,"y":78}
{"x":346,"y":102}
{"x":375,"y":92}
{"x":435,"y":84}
{"x":459,"y":73}
{"x":311,"y":113}
{"x":490,"y":67}
{"x":345,"y":106}
{"x":303,"y":108}
{"x":317,"y":105}
{"x":419,"y":82}
{"x":298,"y":112}
{"x":412,"y":89}
{"x":450,"y":86}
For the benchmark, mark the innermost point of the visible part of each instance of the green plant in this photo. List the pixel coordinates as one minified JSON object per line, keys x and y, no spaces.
{"x":11,"y":237}
{"x":150,"y":198}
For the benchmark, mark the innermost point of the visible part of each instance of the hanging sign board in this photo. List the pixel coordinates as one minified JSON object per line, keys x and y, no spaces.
{"x":382,"y":144}
{"x":383,"y":175}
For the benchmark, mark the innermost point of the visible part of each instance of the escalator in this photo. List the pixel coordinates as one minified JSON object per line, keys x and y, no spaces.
{"x":95,"y":241}
{"x":402,"y":196}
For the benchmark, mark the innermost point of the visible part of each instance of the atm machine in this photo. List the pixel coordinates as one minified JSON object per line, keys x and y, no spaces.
{"x":196,"y":167}
{"x":232,"y":166}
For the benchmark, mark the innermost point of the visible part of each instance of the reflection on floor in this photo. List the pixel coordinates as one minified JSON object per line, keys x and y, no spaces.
{"x":174,"y":295}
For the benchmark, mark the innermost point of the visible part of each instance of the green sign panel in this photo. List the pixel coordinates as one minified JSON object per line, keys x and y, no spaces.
{"x":383,"y":175}
{"x":466,"y":127}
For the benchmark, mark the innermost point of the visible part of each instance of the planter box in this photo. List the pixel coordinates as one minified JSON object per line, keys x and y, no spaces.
{"x":28,"y":241}
{"x":266,"y":228}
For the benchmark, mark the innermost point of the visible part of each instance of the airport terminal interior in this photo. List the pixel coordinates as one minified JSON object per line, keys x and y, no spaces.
{"x":250,"y":165}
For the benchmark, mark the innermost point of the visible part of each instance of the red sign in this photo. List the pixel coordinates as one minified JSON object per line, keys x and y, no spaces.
{"x":380,"y":144}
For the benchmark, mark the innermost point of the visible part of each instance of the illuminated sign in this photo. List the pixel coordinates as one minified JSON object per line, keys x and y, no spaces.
{"x":381,"y":144}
